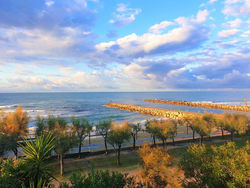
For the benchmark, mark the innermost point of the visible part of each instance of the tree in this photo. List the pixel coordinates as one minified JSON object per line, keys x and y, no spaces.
{"x":210,"y":120}
{"x":155,"y":171}
{"x":117,"y":135}
{"x":235,"y":123}
{"x":64,"y":140}
{"x":14,"y":126}
{"x":80,"y":127}
{"x":201,"y":127}
{"x":151,"y":129}
{"x":103,"y":128}
{"x":188,"y":121}
{"x":172,"y":129}
{"x":220,"y":124}
{"x":89,"y":129}
{"x":135,"y":128}
{"x":51,"y":123}
{"x":216,"y":166}
{"x":37,"y":154}
{"x":40,"y":126}
{"x":165,"y":129}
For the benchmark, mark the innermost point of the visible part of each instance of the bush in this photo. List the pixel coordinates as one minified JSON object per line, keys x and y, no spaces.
{"x":104,"y":179}
{"x":217,"y":166}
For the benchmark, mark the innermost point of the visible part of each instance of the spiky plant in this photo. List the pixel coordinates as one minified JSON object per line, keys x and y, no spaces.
{"x":37,"y":154}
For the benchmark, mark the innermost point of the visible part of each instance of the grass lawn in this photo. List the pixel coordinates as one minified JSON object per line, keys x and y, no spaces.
{"x":129,"y":159}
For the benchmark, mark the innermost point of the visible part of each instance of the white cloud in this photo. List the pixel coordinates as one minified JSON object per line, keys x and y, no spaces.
{"x":158,"y":28}
{"x":235,"y":23}
{"x":212,"y":1}
{"x":228,"y":33}
{"x":49,"y":3}
{"x":66,"y":70}
{"x":237,"y":7}
{"x":187,"y":34}
{"x":124,"y":15}
{"x":202,"y":16}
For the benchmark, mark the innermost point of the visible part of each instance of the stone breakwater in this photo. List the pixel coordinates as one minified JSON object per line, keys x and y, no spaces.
{"x":169,"y":113}
{"x":243,"y":108}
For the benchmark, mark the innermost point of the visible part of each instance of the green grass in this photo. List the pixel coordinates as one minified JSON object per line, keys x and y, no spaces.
{"x":129,"y":160}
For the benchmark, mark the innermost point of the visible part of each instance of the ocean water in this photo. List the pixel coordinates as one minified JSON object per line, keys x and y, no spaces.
{"x":90,"y":104}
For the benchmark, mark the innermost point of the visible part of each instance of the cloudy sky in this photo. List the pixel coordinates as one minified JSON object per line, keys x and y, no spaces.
{"x":124,"y":45}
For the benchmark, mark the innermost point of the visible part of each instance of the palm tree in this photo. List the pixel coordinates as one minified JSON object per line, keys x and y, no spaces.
{"x":37,"y":154}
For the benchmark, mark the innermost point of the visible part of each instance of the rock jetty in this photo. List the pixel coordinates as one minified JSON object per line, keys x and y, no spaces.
{"x":243,"y":108}
{"x":169,"y":113}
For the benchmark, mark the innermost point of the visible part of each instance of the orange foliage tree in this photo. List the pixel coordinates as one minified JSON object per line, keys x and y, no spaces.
{"x":14,"y":126}
{"x":155,"y":171}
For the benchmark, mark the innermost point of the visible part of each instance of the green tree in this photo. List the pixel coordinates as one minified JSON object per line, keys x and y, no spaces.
{"x":37,"y":154}
{"x":188,"y":121}
{"x":220,"y":124}
{"x":216,"y":166}
{"x":135,"y":128}
{"x":80,"y":127}
{"x":64,"y":140}
{"x":164,"y":129}
{"x":152,"y":129}
{"x":201,"y":127}
{"x":51,"y":123}
{"x":40,"y":126}
{"x":117,"y":135}
{"x":103,"y":128}
{"x":235,"y":123}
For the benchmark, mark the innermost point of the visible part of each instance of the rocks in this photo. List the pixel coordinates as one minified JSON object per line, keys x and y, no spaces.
{"x":169,"y":113}
{"x":243,"y":108}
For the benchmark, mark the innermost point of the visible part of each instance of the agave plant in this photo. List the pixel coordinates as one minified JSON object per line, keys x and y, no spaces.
{"x":37,"y":154}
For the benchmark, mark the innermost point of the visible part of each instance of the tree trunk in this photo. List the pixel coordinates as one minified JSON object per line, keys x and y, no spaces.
{"x":106,"y":147}
{"x":222,"y":133}
{"x":89,"y":139}
{"x":15,"y":151}
{"x":201,"y":140}
{"x":163,"y":143}
{"x":61,"y":165}
{"x":193,"y":135}
{"x":80,"y":148}
{"x":118,"y":155}
{"x":173,"y":141}
{"x":134,"y":139}
{"x":154,"y":140}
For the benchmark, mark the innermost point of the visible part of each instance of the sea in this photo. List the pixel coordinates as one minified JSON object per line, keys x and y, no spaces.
{"x":91,"y":104}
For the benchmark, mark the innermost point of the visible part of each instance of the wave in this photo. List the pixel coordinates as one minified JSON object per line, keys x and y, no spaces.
{"x":8,"y":106}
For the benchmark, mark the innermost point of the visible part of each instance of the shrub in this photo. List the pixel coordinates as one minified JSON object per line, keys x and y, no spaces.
{"x":217,"y":166}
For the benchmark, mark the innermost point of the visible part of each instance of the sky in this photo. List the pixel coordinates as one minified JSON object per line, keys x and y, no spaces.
{"x":124,"y":45}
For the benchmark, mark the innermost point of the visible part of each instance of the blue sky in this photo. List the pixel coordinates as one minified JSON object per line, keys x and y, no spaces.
{"x":124,"y":45}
